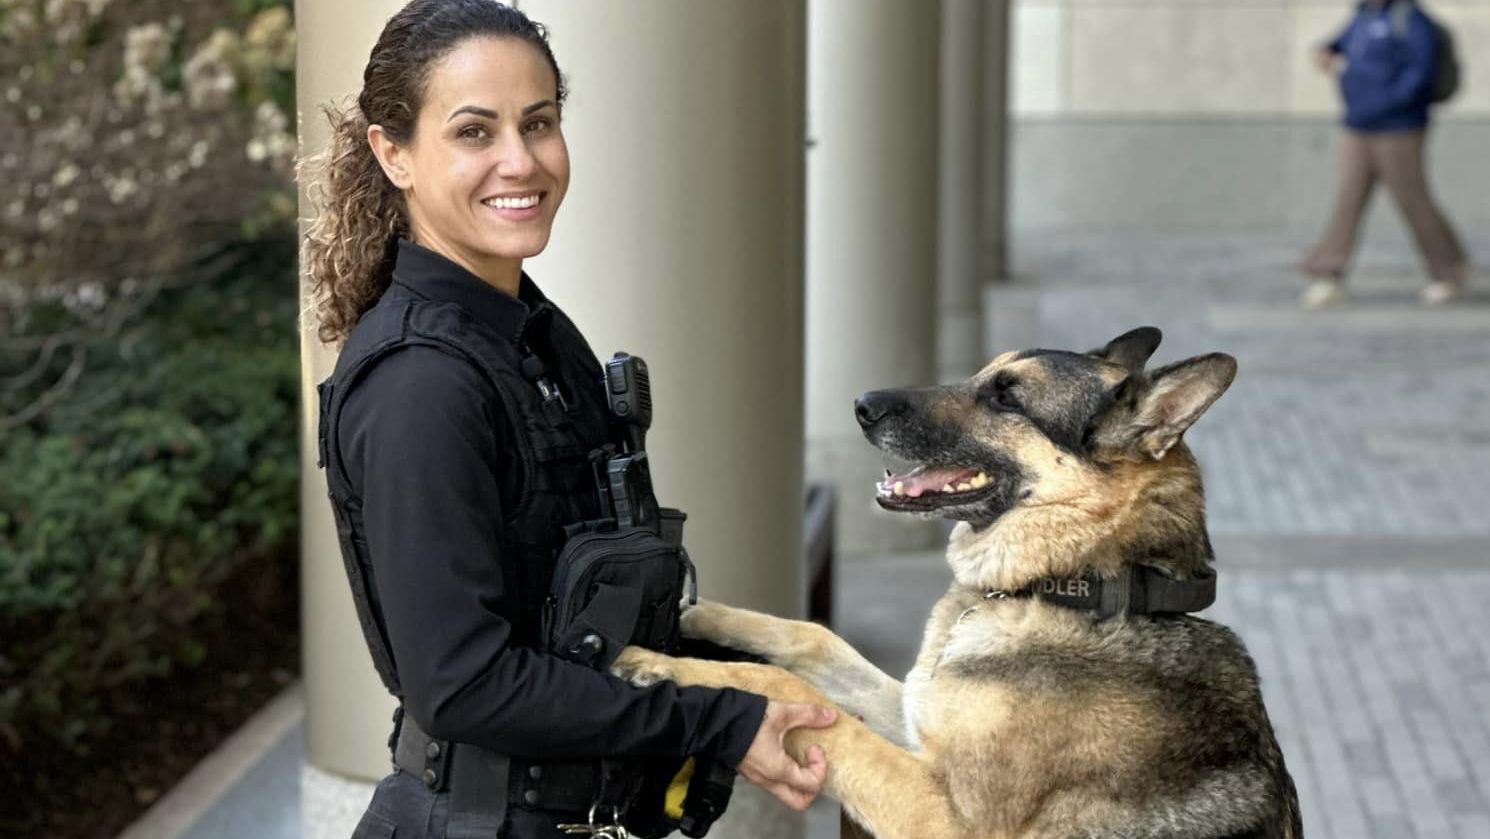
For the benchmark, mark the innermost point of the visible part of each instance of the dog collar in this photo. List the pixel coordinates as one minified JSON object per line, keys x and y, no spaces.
{"x":1136,"y":590}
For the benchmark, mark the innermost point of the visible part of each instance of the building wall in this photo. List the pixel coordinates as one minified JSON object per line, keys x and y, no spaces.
{"x":1208,"y":116}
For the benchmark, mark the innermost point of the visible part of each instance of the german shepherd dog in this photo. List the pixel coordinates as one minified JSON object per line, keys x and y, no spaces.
{"x":1024,"y":717}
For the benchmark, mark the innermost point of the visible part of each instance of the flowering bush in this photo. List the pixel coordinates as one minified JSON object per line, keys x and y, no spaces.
{"x":136,"y":139}
{"x":148,"y":360}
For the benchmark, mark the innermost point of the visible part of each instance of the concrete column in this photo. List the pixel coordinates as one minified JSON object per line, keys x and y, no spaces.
{"x":871,"y":240}
{"x":960,"y":195}
{"x":994,"y":140}
{"x":348,"y":711}
{"x":681,"y":241}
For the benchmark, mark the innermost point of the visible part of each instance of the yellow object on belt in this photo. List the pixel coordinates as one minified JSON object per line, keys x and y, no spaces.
{"x":677,"y":791}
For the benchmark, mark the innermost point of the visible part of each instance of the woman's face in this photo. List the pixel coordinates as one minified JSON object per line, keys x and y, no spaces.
{"x":487,"y":167}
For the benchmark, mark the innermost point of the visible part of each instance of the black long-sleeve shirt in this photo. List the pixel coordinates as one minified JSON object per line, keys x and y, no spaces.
{"x":427,"y":447}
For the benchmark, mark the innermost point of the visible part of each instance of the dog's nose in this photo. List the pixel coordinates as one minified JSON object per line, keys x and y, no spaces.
{"x":874,"y":406}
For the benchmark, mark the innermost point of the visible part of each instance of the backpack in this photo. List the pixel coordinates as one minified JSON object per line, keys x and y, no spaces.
{"x":1447,"y":71}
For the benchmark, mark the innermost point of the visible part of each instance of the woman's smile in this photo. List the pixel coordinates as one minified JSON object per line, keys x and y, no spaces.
{"x":518,"y":206}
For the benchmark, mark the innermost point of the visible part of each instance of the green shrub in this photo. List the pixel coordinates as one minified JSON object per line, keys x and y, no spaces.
{"x":169,"y":469}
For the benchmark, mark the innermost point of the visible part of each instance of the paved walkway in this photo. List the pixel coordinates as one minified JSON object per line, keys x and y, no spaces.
{"x":1348,"y":476}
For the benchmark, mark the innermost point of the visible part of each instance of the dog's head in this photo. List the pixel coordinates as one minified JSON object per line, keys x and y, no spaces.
{"x":1070,"y":450}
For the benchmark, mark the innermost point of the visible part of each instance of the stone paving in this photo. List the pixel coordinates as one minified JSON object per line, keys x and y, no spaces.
{"x":1348,"y":472}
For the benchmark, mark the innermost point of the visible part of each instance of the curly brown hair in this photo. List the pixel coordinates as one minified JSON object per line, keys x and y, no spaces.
{"x":350,"y":243}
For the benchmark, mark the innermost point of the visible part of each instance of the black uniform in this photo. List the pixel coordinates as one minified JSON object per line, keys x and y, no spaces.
{"x":451,"y":477}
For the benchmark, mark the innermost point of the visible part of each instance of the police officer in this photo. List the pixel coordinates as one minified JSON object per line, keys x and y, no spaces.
{"x":454,"y":432}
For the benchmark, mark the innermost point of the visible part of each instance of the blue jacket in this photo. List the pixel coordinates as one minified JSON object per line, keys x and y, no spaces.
{"x":1388,"y":80}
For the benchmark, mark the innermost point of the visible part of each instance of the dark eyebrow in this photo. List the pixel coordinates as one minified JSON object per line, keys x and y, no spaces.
{"x":472,"y":109}
{"x":490,"y":114}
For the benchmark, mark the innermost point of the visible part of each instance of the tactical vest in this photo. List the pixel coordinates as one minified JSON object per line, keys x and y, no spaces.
{"x":554,"y":433}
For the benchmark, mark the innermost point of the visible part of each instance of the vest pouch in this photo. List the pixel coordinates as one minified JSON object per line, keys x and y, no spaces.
{"x":612,"y":588}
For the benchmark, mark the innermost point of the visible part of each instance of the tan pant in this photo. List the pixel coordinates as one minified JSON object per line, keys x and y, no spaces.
{"x":1396,"y":158}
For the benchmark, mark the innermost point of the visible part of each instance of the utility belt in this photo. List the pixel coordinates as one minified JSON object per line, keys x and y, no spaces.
{"x":476,"y":777}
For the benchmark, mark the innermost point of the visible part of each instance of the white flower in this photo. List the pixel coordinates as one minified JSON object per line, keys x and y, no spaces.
{"x":147,"y":47}
{"x":208,"y":75}
{"x":92,"y":294}
{"x":268,"y":117}
{"x":121,"y":189}
{"x":66,"y":175}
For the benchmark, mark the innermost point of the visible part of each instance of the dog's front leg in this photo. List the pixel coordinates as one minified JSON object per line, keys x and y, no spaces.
{"x":892,"y":792}
{"x":811,"y":651}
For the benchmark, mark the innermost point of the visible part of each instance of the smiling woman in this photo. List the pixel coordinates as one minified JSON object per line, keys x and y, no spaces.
{"x":486,"y":168}
{"x":457,"y":127}
{"x":455,"y":431}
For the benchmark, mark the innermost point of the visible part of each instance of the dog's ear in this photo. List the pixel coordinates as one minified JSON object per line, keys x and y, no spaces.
{"x":1174,"y":398}
{"x":1131,"y":349}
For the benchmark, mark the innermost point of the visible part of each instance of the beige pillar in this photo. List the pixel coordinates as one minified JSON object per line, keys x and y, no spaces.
{"x":960,"y":193}
{"x":348,"y":710}
{"x":681,"y":241}
{"x":995,"y":141}
{"x":871,"y":240}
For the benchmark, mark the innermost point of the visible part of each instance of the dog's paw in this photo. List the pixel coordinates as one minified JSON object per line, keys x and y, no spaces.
{"x":642,"y":667}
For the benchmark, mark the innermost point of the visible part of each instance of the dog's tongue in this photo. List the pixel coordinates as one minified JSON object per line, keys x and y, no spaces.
{"x":926,"y":479}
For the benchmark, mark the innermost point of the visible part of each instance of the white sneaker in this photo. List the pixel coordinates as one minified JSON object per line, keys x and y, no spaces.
{"x":1322,"y":293}
{"x":1438,"y":292}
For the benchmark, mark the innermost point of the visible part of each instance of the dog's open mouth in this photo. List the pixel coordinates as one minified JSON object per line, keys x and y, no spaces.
{"x":929,"y":487}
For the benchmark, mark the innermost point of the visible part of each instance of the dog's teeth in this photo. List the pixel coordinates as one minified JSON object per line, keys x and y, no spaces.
{"x":964,"y":486}
{"x":946,"y":488}
{"x":900,"y":487}
{"x":980,"y":481}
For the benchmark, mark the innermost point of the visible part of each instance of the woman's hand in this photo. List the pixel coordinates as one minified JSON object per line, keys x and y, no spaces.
{"x":768,"y":766}
{"x":1324,"y":59}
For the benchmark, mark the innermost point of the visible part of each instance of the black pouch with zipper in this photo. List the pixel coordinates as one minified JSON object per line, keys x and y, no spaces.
{"x":616,"y":586}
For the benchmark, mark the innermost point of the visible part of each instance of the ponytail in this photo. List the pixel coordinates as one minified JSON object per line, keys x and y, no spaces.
{"x":350,"y":243}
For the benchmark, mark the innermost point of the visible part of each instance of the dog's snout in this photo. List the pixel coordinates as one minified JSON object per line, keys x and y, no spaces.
{"x":875,"y":406}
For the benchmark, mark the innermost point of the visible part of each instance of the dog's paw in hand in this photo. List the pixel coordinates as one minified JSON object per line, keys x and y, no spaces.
{"x":642,"y":667}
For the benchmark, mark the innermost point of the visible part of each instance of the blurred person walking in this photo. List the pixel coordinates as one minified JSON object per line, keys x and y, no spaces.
{"x":1397,"y":62}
